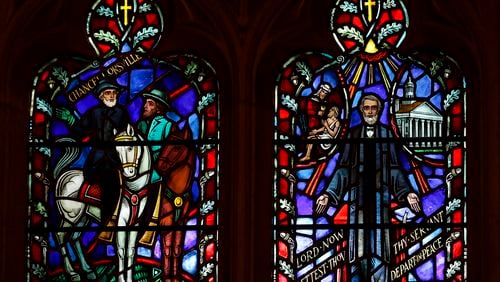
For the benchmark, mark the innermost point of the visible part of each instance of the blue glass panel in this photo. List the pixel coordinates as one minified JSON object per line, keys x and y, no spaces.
{"x":423,"y":87}
{"x":86,"y":75}
{"x":416,"y":71}
{"x":194,"y":124}
{"x":189,"y":262}
{"x":437,"y":101}
{"x":195,"y":190}
{"x":305,"y":173}
{"x":135,"y":110}
{"x":126,"y":48}
{"x":110,"y":61}
{"x":144,"y":252}
{"x":306,"y":92}
{"x":426,"y":271}
{"x":388,"y":70}
{"x":173,"y":116}
{"x":316,"y":82}
{"x":303,"y":243}
{"x":173,"y":81}
{"x":330,"y":77}
{"x":190,"y":239}
{"x":301,"y":186}
{"x":433,"y":201}
{"x":378,"y":89}
{"x":185,"y":104}
{"x":86,"y":103}
{"x":304,"y":205}
{"x":435,"y":182}
{"x":355,"y":119}
{"x":139,"y":80}
{"x":330,"y":167}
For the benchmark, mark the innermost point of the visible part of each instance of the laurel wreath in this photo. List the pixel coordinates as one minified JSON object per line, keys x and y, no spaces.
{"x":352,"y":33}
{"x":388,"y":30}
{"x":145,"y":33}
{"x":107,"y":36}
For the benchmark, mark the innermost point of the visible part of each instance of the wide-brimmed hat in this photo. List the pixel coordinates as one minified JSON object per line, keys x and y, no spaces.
{"x":157,"y":95}
{"x":103,"y":85}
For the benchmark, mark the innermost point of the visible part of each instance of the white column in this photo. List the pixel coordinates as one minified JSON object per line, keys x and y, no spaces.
{"x":428,"y":122}
{"x":434,"y":133}
{"x":410,"y":130}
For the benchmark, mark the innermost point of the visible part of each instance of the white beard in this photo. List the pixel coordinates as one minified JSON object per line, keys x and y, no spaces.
{"x":108,"y":103}
{"x":371,"y":120}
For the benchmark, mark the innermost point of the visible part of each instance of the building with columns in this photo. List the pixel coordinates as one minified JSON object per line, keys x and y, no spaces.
{"x":417,"y":118}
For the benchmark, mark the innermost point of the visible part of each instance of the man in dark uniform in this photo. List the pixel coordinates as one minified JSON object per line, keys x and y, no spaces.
{"x":368,"y":172}
{"x":97,"y":127}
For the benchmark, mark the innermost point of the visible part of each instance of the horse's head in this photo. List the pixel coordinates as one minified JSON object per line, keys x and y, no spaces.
{"x":129,"y":153}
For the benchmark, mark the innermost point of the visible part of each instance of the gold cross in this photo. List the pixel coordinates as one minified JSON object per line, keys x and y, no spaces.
{"x":125,"y":7}
{"x":370,"y":4}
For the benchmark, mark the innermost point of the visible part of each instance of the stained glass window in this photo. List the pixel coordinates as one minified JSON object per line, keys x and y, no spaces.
{"x":124,"y":154}
{"x":370,"y":157}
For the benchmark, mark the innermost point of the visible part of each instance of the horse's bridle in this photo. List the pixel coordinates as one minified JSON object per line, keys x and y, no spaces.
{"x":134,"y":164}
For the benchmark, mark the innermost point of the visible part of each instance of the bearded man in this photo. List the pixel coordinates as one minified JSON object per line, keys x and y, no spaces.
{"x":367,"y":175}
{"x":97,"y":127}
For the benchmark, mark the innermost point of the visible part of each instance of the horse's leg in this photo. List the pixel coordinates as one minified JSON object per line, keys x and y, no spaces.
{"x":85,"y":266}
{"x":178,"y":245}
{"x":177,"y":252}
{"x":167,"y":219}
{"x":121,"y":239}
{"x":132,"y":237}
{"x":64,"y":253}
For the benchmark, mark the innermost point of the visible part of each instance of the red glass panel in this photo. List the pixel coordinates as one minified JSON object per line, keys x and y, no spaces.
{"x":152,"y":19}
{"x":38,"y":161}
{"x":284,"y":114}
{"x":457,"y":249}
{"x":211,"y":159}
{"x":393,"y":39}
{"x":286,"y":86}
{"x":148,"y":44}
{"x":211,"y":111}
{"x":207,"y":85}
{"x":210,"y":252}
{"x":210,"y":219}
{"x":397,"y":14}
{"x":284,"y":126}
{"x":383,"y":19}
{"x":210,"y":189}
{"x":211,"y":127}
{"x":283,"y":249}
{"x":343,"y":19}
{"x":103,"y":47}
{"x":39,"y":118}
{"x":349,"y":44}
{"x":457,"y":160}
{"x":283,"y":157}
{"x":341,"y":216}
{"x":284,"y":187}
{"x":457,"y":216}
{"x":356,"y":21}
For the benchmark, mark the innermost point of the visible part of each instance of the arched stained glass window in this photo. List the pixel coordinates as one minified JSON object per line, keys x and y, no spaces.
{"x":124,"y":158}
{"x":370,"y":157}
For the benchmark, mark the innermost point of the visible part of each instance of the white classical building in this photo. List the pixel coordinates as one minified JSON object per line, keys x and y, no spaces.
{"x":417,"y":118}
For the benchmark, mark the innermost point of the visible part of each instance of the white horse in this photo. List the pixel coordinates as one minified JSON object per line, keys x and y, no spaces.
{"x":136,"y":171}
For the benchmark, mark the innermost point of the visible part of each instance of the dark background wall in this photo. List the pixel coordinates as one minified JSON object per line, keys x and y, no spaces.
{"x":247,"y":42}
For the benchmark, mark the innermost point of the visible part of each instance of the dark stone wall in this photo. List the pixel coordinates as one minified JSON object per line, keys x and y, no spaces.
{"x":247,"y":42}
